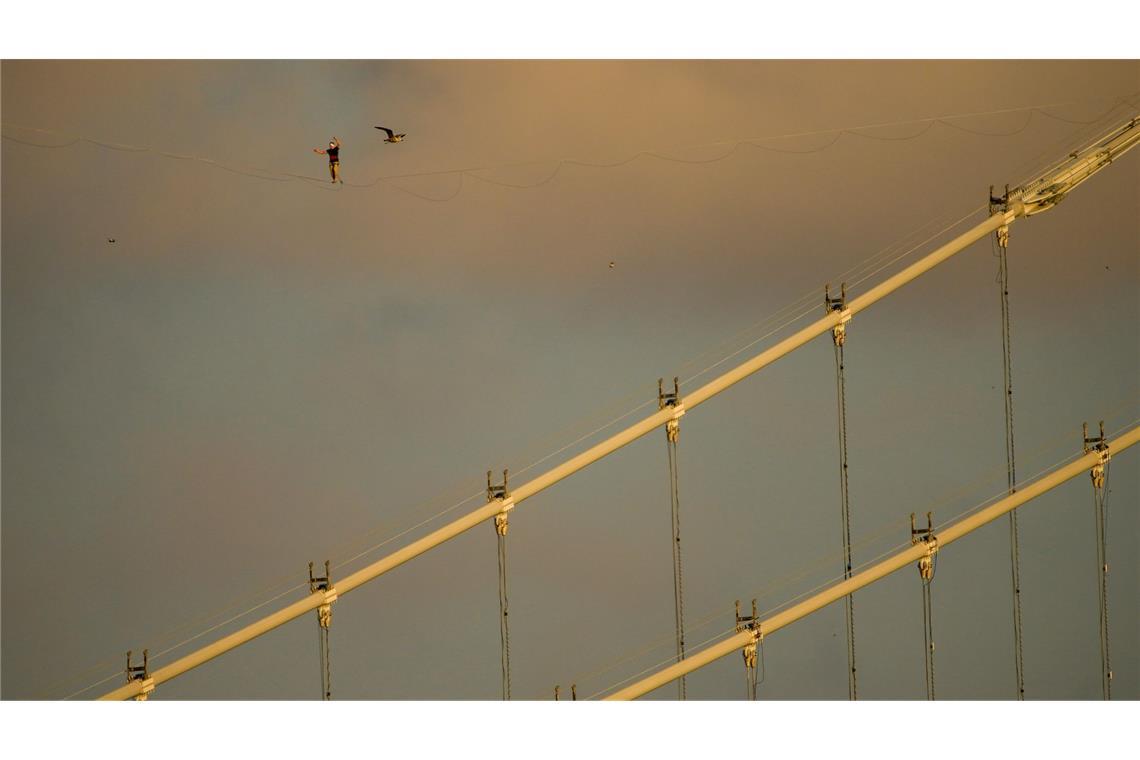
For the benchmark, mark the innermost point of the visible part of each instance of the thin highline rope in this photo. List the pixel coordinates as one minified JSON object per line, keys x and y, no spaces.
{"x":260,"y":173}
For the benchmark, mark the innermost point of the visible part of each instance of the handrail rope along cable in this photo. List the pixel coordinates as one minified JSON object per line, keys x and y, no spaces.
{"x":913,"y":553}
{"x":807,"y":303}
{"x":277,"y":175}
{"x":782,"y":606}
{"x":809,"y":296}
{"x":768,"y":589}
{"x":892,"y":526}
{"x":1073,"y":171}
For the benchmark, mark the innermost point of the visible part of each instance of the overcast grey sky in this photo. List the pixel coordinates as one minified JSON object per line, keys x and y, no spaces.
{"x":257,"y":374}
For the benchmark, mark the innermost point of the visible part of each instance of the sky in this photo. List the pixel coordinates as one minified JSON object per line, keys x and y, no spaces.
{"x":263,"y":371}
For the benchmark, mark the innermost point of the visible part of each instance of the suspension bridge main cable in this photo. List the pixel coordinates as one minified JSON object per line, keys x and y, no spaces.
{"x":924,"y":546}
{"x":776,"y":321}
{"x":961,"y":515}
{"x":891,"y":527}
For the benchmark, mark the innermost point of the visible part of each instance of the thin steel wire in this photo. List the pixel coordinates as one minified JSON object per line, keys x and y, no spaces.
{"x":928,"y":637}
{"x":1100,"y":505}
{"x":1011,"y":464}
{"x":504,"y":611}
{"x":845,"y":517}
{"x":675,"y":540}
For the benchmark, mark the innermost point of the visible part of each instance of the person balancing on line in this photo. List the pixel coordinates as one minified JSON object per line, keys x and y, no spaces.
{"x":333,"y":152}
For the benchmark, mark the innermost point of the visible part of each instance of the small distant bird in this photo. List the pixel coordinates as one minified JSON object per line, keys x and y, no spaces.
{"x":110,"y":240}
{"x":611,"y":265}
{"x":392,"y":136}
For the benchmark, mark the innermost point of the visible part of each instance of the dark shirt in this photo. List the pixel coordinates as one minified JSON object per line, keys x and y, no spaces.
{"x":334,"y":155}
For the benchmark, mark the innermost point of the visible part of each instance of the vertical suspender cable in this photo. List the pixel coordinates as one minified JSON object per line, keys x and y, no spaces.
{"x":1002,"y":237}
{"x":501,"y":495}
{"x":504,"y":628}
{"x":1100,"y":503}
{"x":672,"y":433}
{"x":326,"y":672}
{"x":324,"y":622}
{"x":839,"y":336}
{"x":845,"y":510}
{"x":678,"y":579}
{"x":928,"y":636}
{"x":750,"y":623}
{"x":927,"y":567}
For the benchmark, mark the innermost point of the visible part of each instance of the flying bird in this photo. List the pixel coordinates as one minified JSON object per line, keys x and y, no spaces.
{"x":110,"y":240}
{"x":392,"y":136}
{"x":611,"y":265}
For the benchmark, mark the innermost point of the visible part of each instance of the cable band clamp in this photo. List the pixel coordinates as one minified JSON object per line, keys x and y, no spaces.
{"x":1100,"y":445}
{"x":506,"y":502}
{"x":925,"y":536}
{"x":671,"y":401}
{"x":837,"y":305}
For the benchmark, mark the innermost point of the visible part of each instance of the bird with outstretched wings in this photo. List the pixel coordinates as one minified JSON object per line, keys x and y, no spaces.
{"x":392,"y":136}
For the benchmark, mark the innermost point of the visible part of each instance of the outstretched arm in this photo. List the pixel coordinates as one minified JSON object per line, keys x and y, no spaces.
{"x":319,"y":150}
